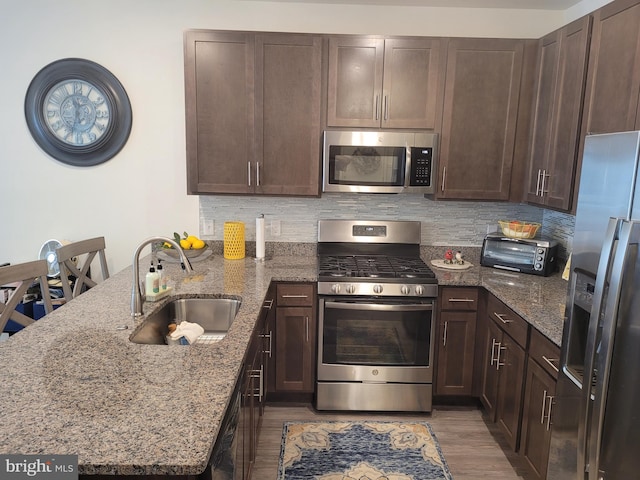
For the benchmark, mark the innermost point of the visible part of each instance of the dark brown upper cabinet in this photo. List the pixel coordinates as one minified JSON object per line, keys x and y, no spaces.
{"x":219,"y":98}
{"x":559,"y":93}
{"x":253,"y":111}
{"x":613,"y":82}
{"x":384,"y":83}
{"x":481,"y":97}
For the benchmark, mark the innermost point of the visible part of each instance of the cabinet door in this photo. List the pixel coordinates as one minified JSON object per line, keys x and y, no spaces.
{"x":536,"y":419}
{"x":288,"y":101}
{"x":556,"y":125}
{"x":295,"y":349}
{"x":545,"y":87}
{"x":455,"y":353}
{"x":491,"y":347}
{"x":511,"y":364}
{"x":219,"y":112}
{"x":411,"y":82}
{"x":355,"y":81}
{"x":481,"y":96}
{"x":613,"y":83}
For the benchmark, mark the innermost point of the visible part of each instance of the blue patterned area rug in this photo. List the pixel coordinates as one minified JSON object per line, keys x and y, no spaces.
{"x":361,"y":451}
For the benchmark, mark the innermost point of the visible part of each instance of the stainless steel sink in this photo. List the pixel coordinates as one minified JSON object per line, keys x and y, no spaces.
{"x":215,"y":315}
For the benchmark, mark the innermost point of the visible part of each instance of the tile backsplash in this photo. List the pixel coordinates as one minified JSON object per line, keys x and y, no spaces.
{"x":295,"y":219}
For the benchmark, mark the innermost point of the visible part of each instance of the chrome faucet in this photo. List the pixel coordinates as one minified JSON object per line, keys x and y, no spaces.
{"x":136,"y":291}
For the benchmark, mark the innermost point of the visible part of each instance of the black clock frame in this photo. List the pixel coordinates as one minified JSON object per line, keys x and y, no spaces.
{"x":110,"y":143}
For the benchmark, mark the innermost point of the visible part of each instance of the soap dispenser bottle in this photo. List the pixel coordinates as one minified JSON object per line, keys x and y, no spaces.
{"x":162,"y":278}
{"x":151,"y":282}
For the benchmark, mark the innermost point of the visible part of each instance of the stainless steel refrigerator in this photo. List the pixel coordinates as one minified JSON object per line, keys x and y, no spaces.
{"x":596,"y":415}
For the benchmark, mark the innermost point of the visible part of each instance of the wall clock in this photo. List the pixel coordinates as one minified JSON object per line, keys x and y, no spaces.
{"x":78,"y":112}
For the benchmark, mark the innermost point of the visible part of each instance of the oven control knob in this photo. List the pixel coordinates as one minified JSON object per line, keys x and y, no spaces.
{"x":351,"y":289}
{"x":405,"y":290}
{"x":377,"y":289}
{"x":335,"y":288}
{"x":419,"y":290}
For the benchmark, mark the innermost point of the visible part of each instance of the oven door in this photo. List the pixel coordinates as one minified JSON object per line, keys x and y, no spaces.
{"x":374,"y":340}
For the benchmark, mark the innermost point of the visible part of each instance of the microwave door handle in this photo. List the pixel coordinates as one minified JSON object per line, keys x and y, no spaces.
{"x":620,"y":270}
{"x":602,"y":276}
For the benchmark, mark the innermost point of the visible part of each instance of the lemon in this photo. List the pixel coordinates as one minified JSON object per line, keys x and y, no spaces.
{"x":185,"y":244}
{"x":191,"y":239}
{"x":198,"y":244}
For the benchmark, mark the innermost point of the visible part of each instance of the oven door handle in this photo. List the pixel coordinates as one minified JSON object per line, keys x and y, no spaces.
{"x":410,"y":307}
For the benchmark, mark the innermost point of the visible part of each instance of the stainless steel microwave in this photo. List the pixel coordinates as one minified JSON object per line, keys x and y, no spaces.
{"x":535,"y":256}
{"x":379,"y":162}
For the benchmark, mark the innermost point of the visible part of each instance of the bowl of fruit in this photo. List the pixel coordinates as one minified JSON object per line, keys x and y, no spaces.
{"x":519,"y":229}
{"x":192,"y":246}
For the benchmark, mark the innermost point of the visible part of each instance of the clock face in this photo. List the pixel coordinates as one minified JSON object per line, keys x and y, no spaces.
{"x":78,"y":112}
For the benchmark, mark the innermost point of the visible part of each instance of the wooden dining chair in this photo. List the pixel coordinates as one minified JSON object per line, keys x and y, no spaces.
{"x":22,"y":276}
{"x":75,"y":260}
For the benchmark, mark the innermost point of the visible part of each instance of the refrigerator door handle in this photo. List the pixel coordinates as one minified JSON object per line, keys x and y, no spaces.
{"x":605,"y":350}
{"x":602,"y":276}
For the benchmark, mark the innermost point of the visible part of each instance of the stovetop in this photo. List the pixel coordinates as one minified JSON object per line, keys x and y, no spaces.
{"x":374,"y":267}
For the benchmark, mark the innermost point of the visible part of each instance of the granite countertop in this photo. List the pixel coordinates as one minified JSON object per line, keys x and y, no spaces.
{"x":73,"y":383}
{"x":539,"y":300}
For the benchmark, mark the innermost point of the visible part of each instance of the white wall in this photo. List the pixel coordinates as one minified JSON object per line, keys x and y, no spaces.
{"x":142,"y":191}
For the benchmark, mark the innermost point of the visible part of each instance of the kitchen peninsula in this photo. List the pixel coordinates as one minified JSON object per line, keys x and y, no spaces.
{"x":73,"y":383}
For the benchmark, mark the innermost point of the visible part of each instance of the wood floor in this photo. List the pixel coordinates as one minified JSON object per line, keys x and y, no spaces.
{"x":472,"y":448}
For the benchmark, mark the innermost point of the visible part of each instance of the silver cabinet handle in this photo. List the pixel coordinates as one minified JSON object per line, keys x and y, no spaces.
{"x":461,"y":300}
{"x":257,"y":174}
{"x":306,"y":328}
{"x":549,"y":408}
{"x":259,"y":375}
{"x":377,"y":101}
{"x":500,"y":349}
{"x":444,"y":175}
{"x":500,"y":316}
{"x":444,"y":335}
{"x":544,"y":181}
{"x":493,"y":349}
{"x":295,"y":296}
{"x":386,"y":107}
{"x":269,"y":336}
{"x":550,"y":362}
{"x":538,"y":183}
{"x":544,"y":407}
{"x":249,"y":173}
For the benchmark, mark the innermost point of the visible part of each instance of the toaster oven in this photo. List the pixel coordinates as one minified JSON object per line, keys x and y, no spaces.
{"x":536,"y":256}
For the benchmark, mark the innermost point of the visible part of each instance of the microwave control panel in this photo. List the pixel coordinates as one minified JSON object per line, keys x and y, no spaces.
{"x":421,"y":166}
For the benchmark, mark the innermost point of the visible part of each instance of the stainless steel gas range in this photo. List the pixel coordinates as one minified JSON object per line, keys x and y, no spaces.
{"x":376,"y":317}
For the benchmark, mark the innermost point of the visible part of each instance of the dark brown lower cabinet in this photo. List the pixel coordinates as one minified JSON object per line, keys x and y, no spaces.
{"x":537,"y":415}
{"x":455,"y":341}
{"x":504,"y":339}
{"x":295,"y":338}
{"x":536,"y":419}
{"x":455,"y":353}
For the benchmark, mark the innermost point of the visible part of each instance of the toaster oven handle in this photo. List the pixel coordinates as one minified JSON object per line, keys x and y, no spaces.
{"x":409,"y":307}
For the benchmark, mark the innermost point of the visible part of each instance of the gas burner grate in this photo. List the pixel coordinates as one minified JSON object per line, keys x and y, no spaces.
{"x":373,"y":267}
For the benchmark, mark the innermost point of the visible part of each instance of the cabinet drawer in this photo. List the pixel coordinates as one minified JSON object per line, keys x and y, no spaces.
{"x":544,"y":352}
{"x":461,"y":298}
{"x":508,"y":320}
{"x":295,"y":295}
